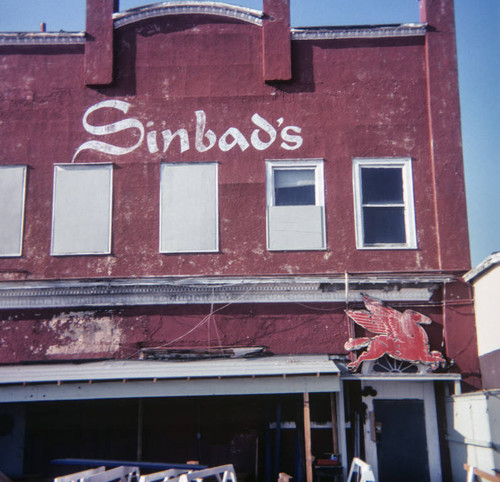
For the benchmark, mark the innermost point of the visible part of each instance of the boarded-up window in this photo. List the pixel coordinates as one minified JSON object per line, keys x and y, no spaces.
{"x":189,"y":208}
{"x":295,"y":205}
{"x":383,"y":192}
{"x":82,"y":206}
{"x":12,"y":194}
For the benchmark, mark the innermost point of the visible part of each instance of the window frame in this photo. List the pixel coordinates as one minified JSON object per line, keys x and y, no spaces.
{"x":24,"y":177}
{"x":105,"y":252}
{"x":216,"y":249}
{"x":315,"y":164}
{"x":408,"y":204}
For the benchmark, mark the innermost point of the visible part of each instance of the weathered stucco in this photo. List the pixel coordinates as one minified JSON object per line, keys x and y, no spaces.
{"x":347,"y":98}
{"x":350,"y":98}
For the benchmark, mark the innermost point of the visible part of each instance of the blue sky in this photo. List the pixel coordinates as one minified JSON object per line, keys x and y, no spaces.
{"x":478,"y":43}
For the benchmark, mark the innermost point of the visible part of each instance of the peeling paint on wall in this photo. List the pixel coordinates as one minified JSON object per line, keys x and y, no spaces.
{"x":83,"y":332}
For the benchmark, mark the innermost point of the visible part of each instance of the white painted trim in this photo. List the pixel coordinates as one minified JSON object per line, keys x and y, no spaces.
{"x":169,"y":388}
{"x":144,"y":378}
{"x":413,"y":377}
{"x":359,"y":32}
{"x":187,"y":7}
{"x":42,"y":38}
{"x":319,"y":189}
{"x":312,"y":164}
{"x":278,"y":365}
{"x":408,"y":201}
{"x":423,"y":390}
{"x":492,"y":260}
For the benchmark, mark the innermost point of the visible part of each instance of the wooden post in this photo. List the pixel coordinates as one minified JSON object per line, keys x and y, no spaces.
{"x":307,"y":438}
{"x":335,"y":434}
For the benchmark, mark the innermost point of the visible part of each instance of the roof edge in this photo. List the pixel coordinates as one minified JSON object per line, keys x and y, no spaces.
{"x":248,"y":15}
{"x":492,"y":260}
{"x":42,"y":38}
{"x":220,"y":9}
{"x":360,"y":31}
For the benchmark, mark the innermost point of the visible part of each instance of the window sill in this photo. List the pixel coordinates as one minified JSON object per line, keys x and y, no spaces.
{"x":386,"y":247}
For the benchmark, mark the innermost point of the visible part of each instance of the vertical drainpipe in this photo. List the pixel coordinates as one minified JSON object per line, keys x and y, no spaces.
{"x":445,"y":142}
{"x":98,"y":69}
{"x":276,"y":47}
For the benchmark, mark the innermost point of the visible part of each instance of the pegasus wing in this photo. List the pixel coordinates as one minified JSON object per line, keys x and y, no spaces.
{"x":369,"y":322}
{"x":379,"y":319}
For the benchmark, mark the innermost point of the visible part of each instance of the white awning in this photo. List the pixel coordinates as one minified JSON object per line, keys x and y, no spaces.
{"x":147,"y":378}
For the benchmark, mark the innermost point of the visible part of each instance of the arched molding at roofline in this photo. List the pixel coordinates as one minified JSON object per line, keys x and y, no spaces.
{"x":219,"y":9}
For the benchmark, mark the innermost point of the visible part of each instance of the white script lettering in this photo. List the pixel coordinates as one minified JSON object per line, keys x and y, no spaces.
{"x":112,"y":128}
{"x":204,"y":138}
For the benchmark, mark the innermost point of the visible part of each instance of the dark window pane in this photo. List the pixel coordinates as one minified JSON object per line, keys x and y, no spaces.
{"x":384,"y":225}
{"x":382,"y":185}
{"x":295,"y":196}
{"x":294,"y":187}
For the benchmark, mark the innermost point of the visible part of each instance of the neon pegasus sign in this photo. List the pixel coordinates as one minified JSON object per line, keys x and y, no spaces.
{"x":399,"y":335}
{"x":263,"y":135}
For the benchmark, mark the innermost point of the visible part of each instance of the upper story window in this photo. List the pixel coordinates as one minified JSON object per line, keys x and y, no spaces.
{"x":295,"y":205}
{"x":383,"y":198}
{"x":82,"y":209}
{"x":12,"y":195}
{"x":189,"y":219}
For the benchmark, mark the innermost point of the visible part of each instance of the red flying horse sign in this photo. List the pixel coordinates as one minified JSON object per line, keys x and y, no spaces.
{"x":399,"y":335}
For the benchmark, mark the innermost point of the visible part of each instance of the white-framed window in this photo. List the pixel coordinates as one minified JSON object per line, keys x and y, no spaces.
{"x":189,"y":209}
{"x":383,"y":200}
{"x":12,"y":197}
{"x":82,"y":209}
{"x":295,"y":205}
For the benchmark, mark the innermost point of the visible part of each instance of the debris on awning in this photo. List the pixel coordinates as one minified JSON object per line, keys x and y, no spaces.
{"x":190,"y":354}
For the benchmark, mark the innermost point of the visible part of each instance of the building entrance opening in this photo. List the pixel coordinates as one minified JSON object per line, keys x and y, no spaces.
{"x":261,"y":435}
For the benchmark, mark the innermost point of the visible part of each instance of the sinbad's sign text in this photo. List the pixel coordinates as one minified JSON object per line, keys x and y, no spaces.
{"x":264,"y":135}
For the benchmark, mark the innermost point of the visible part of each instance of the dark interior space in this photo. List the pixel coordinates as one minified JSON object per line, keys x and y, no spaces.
{"x":261,"y":435}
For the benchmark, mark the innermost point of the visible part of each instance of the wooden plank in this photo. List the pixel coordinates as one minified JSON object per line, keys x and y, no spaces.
{"x":307,"y":438}
{"x":123,"y":473}
{"x":163,"y":475}
{"x":480,"y":473}
{"x":335,"y":435}
{"x":227,"y":471}
{"x":362,"y":469}
{"x":84,"y":474}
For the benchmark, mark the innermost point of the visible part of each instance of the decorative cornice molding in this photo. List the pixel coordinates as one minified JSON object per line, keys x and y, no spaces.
{"x":359,"y":32}
{"x":164,"y":291}
{"x":219,"y":9}
{"x":42,"y":38}
{"x":187,"y":8}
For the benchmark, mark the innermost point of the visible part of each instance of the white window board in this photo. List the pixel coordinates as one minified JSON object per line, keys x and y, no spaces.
{"x":82,"y":209}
